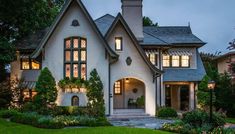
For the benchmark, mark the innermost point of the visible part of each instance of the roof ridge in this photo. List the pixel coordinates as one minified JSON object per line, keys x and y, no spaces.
{"x":104,"y":16}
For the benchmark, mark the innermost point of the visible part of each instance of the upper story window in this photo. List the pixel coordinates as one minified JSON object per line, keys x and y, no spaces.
{"x":153,"y":58}
{"x":75,"y":56}
{"x":185,"y":61}
{"x":118,"y":43}
{"x":166,"y":61}
{"x":30,"y":64}
{"x":176,"y":61}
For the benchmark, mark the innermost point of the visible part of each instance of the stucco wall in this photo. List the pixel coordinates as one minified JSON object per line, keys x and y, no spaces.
{"x":138,"y":69}
{"x":54,"y":49}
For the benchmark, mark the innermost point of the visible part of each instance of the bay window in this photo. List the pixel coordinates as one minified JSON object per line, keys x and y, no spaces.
{"x":75,"y":55}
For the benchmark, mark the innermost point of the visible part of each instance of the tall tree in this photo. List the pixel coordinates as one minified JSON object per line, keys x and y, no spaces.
{"x":19,"y":18}
{"x":148,"y":22}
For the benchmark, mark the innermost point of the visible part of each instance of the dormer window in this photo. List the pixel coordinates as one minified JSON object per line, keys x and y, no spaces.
{"x":118,"y":43}
{"x":185,"y":61}
{"x":175,"y":61}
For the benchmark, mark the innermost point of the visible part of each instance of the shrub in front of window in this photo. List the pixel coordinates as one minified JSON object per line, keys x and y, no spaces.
{"x":46,"y":89}
{"x":95,"y":95}
{"x":166,"y":112}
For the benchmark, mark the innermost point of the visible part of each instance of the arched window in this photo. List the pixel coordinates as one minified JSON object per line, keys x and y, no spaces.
{"x":75,"y":101}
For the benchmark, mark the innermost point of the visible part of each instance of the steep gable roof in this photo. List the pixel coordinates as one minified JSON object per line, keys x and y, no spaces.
{"x":120,"y":19}
{"x":104,"y":23}
{"x":59,"y":18}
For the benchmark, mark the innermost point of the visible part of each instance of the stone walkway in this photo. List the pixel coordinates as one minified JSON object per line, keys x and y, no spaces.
{"x":150,"y":122}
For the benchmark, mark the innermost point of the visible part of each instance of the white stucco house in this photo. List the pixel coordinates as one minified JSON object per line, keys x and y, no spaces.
{"x":160,"y":65}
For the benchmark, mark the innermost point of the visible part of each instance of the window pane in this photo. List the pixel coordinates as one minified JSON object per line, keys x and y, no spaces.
{"x":83,"y":55}
{"x":118,"y":44}
{"x":152,"y":58}
{"x":75,"y":43}
{"x":175,"y":61}
{"x":75,"y":56}
{"x":67,"y":55}
{"x":166,"y":60}
{"x":83,"y":43}
{"x":25,"y":64}
{"x":185,"y":61}
{"x":117,"y":87}
{"x":68,"y":44}
{"x":75,"y":70}
{"x":83,"y":71}
{"x":67,"y":70}
{"x":75,"y":101}
{"x":35,"y":65}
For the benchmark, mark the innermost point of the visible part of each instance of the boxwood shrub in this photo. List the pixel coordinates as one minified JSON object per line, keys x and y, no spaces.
{"x":8,"y":113}
{"x":166,"y":112}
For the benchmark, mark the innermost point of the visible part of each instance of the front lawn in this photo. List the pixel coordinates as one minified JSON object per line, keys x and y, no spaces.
{"x":230,"y":120}
{"x":14,"y":128}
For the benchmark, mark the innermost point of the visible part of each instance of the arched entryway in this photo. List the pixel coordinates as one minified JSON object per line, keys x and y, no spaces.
{"x":129,"y":93}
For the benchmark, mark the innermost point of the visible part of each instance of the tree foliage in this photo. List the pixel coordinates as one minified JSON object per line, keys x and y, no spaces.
{"x":19,"y":18}
{"x":95,"y":95}
{"x":5,"y":94}
{"x":46,"y":89}
{"x":148,"y":22}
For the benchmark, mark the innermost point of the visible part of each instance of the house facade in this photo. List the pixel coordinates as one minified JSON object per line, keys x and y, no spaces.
{"x":226,"y":63}
{"x":140,"y":67}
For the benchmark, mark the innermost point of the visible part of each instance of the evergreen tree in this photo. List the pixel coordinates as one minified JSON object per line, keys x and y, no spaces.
{"x":148,"y":22}
{"x":5,"y":94}
{"x":95,"y":95}
{"x":46,"y":89}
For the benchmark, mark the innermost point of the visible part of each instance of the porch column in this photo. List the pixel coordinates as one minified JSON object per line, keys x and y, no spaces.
{"x":191,"y":96}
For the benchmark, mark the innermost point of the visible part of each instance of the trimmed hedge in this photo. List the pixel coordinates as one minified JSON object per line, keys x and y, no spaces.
{"x":166,"y":112}
{"x":8,"y":113}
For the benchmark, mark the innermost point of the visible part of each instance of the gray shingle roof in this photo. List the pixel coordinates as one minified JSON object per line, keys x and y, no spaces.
{"x":172,"y":75}
{"x":172,"y":35}
{"x":31,"y":41}
{"x":104,"y":23}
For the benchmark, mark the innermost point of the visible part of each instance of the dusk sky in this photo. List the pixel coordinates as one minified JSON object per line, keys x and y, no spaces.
{"x":213,"y":21}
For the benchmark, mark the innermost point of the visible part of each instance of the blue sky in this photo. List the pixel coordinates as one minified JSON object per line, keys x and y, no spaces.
{"x":211,"y":20}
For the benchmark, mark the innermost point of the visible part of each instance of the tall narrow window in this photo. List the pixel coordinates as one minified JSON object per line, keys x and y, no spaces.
{"x":118,"y":87}
{"x":152,"y":58}
{"x":118,"y":43}
{"x":166,"y":61}
{"x":185,"y":61}
{"x":175,"y":61}
{"x":75,"y":58}
{"x":35,"y":64}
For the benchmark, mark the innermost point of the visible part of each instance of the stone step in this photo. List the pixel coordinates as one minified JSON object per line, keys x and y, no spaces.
{"x":124,"y":117}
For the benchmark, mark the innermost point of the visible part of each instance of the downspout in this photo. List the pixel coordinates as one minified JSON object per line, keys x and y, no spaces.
{"x":160,"y":79}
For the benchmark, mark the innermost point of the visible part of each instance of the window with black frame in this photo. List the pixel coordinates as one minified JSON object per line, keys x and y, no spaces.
{"x":75,"y":58}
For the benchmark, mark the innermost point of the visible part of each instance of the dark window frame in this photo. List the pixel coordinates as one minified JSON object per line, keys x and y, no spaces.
{"x":180,"y":62}
{"x":121,"y":44}
{"x":30,"y":64}
{"x":155,"y":57}
{"x":72,"y":62}
{"x":72,"y":101}
{"x":121,"y":87}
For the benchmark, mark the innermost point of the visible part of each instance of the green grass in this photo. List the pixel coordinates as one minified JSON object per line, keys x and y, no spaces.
{"x":14,"y":128}
{"x":230,"y":120}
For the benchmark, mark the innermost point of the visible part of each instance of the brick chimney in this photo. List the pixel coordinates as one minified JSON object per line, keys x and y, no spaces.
{"x":133,"y":15}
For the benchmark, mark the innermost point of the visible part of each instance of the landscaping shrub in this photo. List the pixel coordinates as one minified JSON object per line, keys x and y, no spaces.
{"x":46,"y":89}
{"x":166,"y":112}
{"x":8,"y":113}
{"x":47,"y":122}
{"x":28,"y":107}
{"x":199,"y":118}
{"x":95,"y":95}
{"x":5,"y":94}
{"x":26,"y":118}
{"x":70,"y":110}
